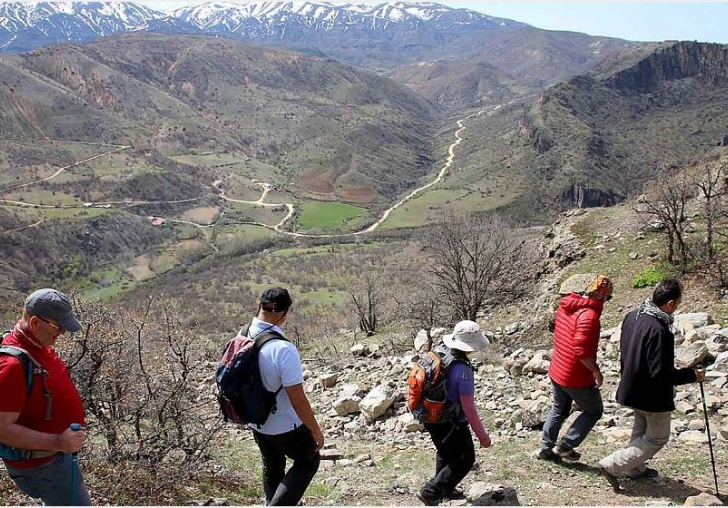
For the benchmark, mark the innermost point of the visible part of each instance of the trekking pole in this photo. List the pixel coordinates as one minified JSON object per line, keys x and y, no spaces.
{"x":710,"y":440}
{"x":74,"y":464}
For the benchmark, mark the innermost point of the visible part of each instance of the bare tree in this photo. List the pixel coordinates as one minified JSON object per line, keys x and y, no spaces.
{"x":422,"y":306}
{"x":366,"y":297}
{"x":140,"y":377}
{"x":667,"y":202}
{"x":477,"y":260}
{"x":710,"y":183}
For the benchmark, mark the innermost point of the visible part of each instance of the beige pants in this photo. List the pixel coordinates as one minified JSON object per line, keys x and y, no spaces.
{"x":650,"y":432}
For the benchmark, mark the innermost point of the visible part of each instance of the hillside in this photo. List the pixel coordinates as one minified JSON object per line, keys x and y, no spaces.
{"x":597,"y":138}
{"x":513,"y":391}
{"x":312,"y":118}
{"x":499,"y":66}
{"x":265,"y":140}
{"x":145,"y":126}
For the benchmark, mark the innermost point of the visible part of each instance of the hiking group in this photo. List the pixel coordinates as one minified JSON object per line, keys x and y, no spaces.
{"x":647,"y":377}
{"x":260,"y":384}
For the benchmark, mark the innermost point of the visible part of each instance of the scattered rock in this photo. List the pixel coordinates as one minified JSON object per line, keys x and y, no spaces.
{"x":489,"y":494}
{"x":703,"y":499}
{"x":376,"y":402}
{"x":328,"y":380}
{"x":359,"y":350}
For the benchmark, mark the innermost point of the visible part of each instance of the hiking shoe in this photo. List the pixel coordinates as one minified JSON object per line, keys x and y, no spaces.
{"x":566,"y":453}
{"x":548,"y":454}
{"x":425,"y":500}
{"x":613,"y":482}
{"x":456,"y":493}
{"x":647,"y":473}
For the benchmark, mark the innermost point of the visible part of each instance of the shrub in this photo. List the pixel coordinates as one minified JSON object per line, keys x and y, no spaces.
{"x":653,"y":274}
{"x":145,"y":383}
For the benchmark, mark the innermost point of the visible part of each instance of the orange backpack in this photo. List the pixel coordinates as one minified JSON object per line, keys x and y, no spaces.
{"x":427,"y":392}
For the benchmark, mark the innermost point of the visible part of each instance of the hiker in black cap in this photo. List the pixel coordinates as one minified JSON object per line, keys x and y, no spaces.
{"x":38,"y":409}
{"x":291,"y":430}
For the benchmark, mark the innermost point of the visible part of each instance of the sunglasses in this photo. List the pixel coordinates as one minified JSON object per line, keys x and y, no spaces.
{"x":54,"y":325}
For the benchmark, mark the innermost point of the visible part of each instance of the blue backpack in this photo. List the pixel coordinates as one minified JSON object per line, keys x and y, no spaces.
{"x":31,"y":367}
{"x":240,"y":392}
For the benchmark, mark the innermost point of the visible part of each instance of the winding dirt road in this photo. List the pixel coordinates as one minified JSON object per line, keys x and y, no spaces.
{"x":291,"y":208}
{"x":259,"y":202}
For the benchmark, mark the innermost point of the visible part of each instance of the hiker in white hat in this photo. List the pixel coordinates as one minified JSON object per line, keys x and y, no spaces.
{"x":452,"y":439}
{"x":466,"y":337}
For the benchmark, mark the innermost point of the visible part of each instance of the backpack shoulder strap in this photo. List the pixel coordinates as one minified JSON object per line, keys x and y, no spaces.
{"x":30,"y":364}
{"x":263,"y":338}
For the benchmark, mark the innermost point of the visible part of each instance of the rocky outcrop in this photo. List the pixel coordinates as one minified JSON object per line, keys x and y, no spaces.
{"x":561,"y":247}
{"x":584,"y":197}
{"x":705,"y":62}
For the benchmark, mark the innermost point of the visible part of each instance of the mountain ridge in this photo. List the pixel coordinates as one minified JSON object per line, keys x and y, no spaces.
{"x":28,"y":26}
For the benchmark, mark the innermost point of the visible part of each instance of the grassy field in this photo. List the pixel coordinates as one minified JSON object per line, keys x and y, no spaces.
{"x":329,"y":215}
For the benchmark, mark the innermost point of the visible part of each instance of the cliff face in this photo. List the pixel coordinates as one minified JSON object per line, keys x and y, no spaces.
{"x":602,"y":135}
{"x":705,"y":62}
{"x":584,"y":197}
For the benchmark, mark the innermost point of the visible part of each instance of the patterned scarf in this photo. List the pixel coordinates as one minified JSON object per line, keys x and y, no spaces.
{"x":651,"y":309}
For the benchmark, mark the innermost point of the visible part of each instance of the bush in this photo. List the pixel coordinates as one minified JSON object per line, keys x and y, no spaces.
{"x":653,"y":274}
{"x":146,"y":385}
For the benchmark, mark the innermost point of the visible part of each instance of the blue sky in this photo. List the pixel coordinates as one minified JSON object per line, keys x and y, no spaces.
{"x":637,"y":21}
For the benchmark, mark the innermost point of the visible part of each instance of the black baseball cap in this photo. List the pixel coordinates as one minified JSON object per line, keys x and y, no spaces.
{"x":275,"y":299}
{"x":52,"y":304}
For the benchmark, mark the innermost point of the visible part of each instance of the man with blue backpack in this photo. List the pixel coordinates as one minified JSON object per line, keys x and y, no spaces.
{"x":260,"y":383}
{"x":41,"y":413}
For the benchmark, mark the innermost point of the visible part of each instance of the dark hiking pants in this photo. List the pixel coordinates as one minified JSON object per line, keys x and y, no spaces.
{"x":287,"y":488}
{"x":455,"y":458}
{"x":590,"y":403}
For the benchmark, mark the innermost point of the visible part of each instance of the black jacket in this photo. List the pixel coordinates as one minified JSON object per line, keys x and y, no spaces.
{"x":648,"y":365}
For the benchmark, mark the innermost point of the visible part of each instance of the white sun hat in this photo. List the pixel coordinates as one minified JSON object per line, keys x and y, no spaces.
{"x":466,"y":337}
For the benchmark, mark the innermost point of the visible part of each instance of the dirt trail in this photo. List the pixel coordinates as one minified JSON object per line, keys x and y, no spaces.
{"x":291,"y":207}
{"x":261,"y":200}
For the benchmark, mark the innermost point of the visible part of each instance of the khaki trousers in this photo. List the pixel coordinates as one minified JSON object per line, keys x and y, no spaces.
{"x":650,"y":432}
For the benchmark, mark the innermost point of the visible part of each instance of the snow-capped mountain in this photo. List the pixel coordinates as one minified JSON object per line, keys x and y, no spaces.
{"x":25,"y":25}
{"x":277,"y":17}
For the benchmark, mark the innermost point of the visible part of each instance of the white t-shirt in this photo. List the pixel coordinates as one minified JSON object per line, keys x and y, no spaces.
{"x":280,"y":364}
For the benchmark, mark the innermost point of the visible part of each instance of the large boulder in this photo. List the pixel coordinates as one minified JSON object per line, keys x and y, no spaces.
{"x":328,"y":380}
{"x":421,"y":341}
{"x":539,"y":364}
{"x":535,"y":413}
{"x":691,"y":355}
{"x":349,"y":399}
{"x":346,"y":405}
{"x":691,"y":320}
{"x":376,"y":402}
{"x":576,"y":283}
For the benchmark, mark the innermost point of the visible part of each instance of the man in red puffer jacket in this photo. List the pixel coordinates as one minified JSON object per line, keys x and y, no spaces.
{"x":574,"y":373}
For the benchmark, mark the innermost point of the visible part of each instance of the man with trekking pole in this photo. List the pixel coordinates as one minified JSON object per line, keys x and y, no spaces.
{"x":41,"y":413}
{"x":648,"y":375}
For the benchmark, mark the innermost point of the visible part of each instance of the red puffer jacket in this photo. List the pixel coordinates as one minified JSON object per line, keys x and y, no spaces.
{"x":576,"y":336}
